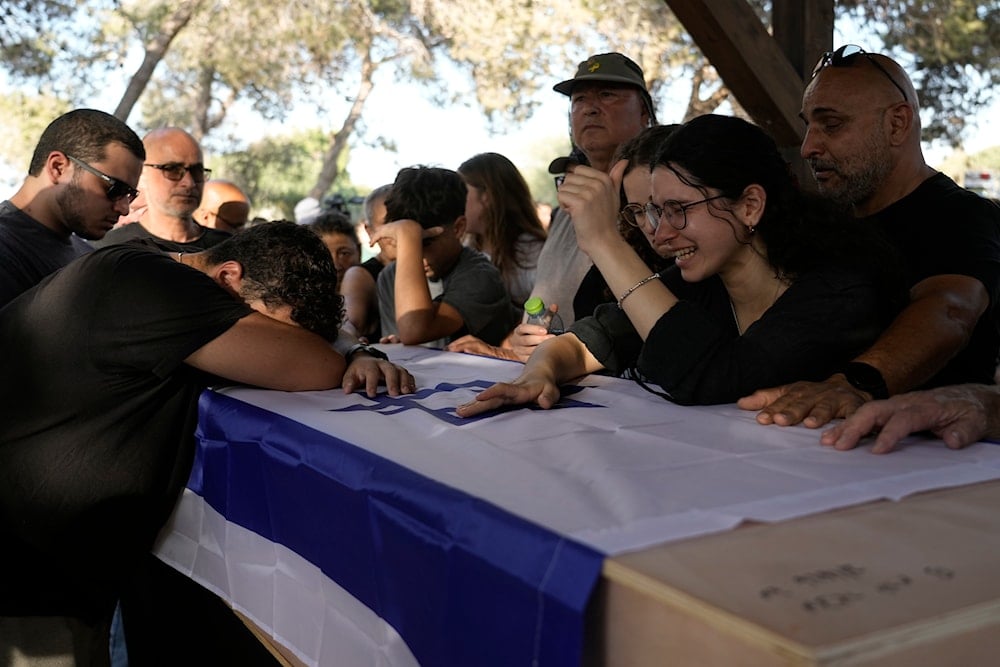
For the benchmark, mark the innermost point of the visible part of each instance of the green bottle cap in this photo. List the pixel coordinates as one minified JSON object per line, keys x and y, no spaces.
{"x":534,"y":305}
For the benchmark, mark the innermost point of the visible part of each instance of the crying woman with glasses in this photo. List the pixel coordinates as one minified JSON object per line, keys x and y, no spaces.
{"x":768,"y":284}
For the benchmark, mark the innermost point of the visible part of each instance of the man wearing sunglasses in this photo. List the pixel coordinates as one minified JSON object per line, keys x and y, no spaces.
{"x":172,"y":182}
{"x":82,"y":176}
{"x":863,"y":144}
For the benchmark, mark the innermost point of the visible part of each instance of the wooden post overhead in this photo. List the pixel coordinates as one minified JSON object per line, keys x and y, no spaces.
{"x":765,"y":73}
{"x":803,"y":31}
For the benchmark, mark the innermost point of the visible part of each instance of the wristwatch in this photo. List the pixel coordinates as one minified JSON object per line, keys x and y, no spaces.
{"x":367,"y":349}
{"x":867,"y":378}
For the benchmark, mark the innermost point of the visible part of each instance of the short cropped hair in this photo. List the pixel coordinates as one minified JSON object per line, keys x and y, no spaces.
{"x":84,"y":134}
{"x":286,"y":264}
{"x":432,"y":196}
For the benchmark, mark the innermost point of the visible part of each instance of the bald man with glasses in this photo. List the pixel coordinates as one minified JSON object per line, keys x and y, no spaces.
{"x":172,"y":182}
{"x":863,"y":144}
{"x":82,"y":176}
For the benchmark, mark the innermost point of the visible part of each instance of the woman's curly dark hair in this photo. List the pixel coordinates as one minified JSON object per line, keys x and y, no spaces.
{"x":287,"y":264}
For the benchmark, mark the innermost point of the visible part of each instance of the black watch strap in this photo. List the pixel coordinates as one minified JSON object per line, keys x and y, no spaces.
{"x":367,"y":349}
{"x":867,"y":378}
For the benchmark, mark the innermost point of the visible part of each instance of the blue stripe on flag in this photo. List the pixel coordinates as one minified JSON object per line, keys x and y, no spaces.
{"x":462,"y":581}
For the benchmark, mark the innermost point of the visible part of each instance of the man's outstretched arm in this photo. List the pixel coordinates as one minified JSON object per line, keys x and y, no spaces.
{"x":933,"y":328}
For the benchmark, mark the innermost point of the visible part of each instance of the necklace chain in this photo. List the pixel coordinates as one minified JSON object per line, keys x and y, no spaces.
{"x":736,"y":318}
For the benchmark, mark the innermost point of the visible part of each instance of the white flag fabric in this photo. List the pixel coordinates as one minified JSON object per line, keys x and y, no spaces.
{"x":391,"y":529}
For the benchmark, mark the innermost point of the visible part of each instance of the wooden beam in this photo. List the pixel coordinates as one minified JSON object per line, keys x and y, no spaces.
{"x":751,"y":62}
{"x":803,"y":31}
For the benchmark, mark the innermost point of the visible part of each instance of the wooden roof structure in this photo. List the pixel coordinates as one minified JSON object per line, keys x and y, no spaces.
{"x":766,"y":72}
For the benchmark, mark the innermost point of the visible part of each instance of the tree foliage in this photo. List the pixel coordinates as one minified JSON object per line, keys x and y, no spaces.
{"x":955,"y":48}
{"x":272,"y":170}
{"x":201,"y":58}
{"x":25,"y":28}
{"x":35,"y":112}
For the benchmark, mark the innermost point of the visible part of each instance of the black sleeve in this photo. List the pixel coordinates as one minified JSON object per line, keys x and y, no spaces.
{"x":160,"y":312}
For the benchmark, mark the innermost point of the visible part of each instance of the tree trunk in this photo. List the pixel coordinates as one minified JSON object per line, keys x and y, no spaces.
{"x":203,"y":103}
{"x":156,"y":49}
{"x":328,"y":174}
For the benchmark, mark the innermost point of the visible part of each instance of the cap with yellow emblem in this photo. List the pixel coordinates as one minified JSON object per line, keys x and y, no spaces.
{"x":610,"y":67}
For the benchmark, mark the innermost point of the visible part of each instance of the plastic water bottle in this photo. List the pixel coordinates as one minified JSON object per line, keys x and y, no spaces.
{"x":542,"y":316}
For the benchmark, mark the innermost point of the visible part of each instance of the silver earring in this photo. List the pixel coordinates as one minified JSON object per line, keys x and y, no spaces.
{"x":751,"y":229}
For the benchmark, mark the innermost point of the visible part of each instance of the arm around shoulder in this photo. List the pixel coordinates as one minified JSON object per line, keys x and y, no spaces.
{"x":936,"y":325}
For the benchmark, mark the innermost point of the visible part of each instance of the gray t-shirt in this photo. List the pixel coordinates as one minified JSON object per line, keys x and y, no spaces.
{"x":561,"y":267}
{"x":474,"y":288}
{"x":523,"y":276}
{"x":29,"y":251}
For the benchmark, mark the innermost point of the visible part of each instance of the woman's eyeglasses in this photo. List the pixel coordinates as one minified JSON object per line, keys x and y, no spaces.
{"x":845,"y":55}
{"x":648,"y":216}
{"x":116,"y":189}
{"x":633,"y":214}
{"x":174,"y":171}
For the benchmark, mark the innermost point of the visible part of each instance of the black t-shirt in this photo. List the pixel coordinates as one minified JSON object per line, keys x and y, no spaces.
{"x":29,"y":251}
{"x":98,"y":417}
{"x":941,"y":228}
{"x":132,"y":231}
{"x":696,"y":355}
{"x":373,"y":267}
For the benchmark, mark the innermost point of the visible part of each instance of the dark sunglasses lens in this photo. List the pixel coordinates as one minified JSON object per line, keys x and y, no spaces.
{"x":120,"y":189}
{"x":117,"y":190}
{"x":837,"y":58}
{"x":848,"y":51}
{"x":174,"y":172}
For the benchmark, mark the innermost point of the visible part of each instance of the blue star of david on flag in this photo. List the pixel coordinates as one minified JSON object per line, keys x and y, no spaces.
{"x":391,"y":405}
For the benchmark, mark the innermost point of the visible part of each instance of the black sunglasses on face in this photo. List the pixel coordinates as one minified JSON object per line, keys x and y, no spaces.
{"x":174,"y":171}
{"x":116,"y":189}
{"x":845,"y":55}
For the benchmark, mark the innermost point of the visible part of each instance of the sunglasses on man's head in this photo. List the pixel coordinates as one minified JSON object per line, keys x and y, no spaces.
{"x":116,"y":189}
{"x":845,"y":55}
{"x":174,"y":171}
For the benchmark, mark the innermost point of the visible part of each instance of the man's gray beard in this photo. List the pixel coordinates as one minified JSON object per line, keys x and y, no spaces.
{"x":862,"y":186}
